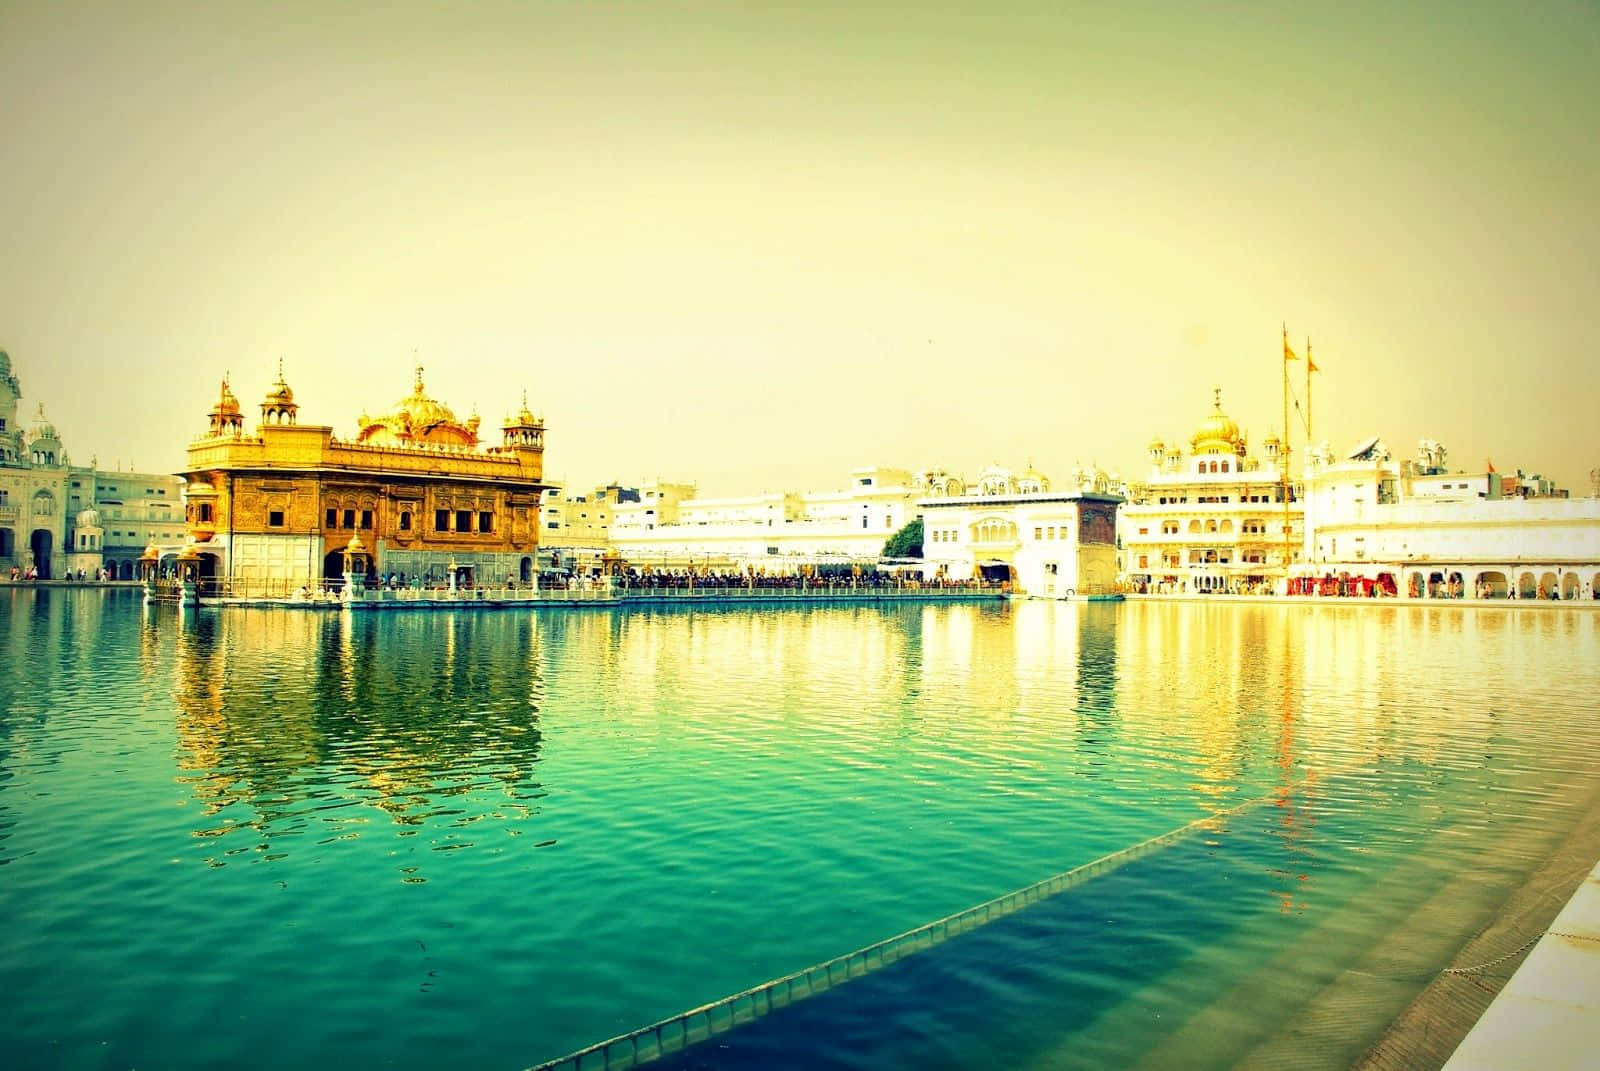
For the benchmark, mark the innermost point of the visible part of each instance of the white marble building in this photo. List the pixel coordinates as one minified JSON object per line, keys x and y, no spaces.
{"x":669,"y":523}
{"x":56,"y":517}
{"x":1433,"y":533}
{"x":1213,"y":518}
{"x":1016,"y":530}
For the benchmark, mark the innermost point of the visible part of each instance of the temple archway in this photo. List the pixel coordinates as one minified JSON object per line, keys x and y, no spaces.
{"x":995,"y":572}
{"x":41,"y":543}
{"x":1492,"y":584}
{"x":1569,"y":586}
{"x":333,"y":567}
{"x":209,"y":575}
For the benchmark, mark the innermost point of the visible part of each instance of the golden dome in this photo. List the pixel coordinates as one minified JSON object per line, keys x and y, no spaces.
{"x":227,"y":403}
{"x":418,"y":418}
{"x":280,"y":394}
{"x":43,"y":430}
{"x":1217,"y":433}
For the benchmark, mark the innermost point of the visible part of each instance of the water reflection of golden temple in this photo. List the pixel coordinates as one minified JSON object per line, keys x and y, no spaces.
{"x":416,"y":490}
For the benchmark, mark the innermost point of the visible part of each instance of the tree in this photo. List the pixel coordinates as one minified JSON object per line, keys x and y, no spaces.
{"x":906,"y":543}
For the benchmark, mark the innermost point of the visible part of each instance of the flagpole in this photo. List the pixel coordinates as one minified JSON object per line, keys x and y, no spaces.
{"x":1310,"y":367}
{"x":1284,"y":469}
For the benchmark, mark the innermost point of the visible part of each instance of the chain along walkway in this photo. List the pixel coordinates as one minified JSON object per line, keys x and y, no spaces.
{"x":709,"y":1020}
{"x":1548,"y":1015}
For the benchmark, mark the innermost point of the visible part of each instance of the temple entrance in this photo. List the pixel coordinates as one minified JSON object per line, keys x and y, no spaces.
{"x":8,"y":543}
{"x":525,"y":573}
{"x":209,"y":582}
{"x":333,"y":569}
{"x":41,"y":543}
{"x":995,"y":572}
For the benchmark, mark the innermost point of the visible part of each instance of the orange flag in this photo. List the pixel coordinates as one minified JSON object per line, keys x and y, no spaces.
{"x":1311,"y":366}
{"x":1288,"y":354}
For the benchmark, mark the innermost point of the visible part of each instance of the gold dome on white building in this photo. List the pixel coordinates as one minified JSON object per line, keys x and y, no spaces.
{"x":1217,"y":433}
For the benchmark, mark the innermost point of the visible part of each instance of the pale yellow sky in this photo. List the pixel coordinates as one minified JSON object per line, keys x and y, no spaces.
{"x":757,"y":245}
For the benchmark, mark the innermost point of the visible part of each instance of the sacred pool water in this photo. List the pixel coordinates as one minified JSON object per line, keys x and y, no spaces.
{"x":485,"y":839}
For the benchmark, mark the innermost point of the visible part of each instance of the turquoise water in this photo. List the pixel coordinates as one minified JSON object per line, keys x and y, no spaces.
{"x":485,"y":839}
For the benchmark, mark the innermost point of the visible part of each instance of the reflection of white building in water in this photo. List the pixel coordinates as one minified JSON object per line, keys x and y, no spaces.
{"x":57,"y":517}
{"x":1432,"y":532}
{"x":1212,"y":519}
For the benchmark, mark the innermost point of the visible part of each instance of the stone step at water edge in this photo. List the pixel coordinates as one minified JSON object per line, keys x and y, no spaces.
{"x":1427,"y":1033}
{"x":1386,"y":943}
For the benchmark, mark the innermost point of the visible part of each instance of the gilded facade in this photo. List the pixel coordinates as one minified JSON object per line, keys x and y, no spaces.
{"x":416,"y":489}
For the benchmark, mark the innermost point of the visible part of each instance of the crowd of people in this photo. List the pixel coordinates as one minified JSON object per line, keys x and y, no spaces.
{"x":633,"y":579}
{"x":1331,"y":586}
{"x":30,"y":574}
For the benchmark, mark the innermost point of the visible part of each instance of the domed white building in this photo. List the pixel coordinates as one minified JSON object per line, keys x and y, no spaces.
{"x":1212,"y":518}
{"x":58,"y":518}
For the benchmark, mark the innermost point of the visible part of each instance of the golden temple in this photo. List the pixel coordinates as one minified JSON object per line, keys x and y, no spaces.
{"x":415,"y":491}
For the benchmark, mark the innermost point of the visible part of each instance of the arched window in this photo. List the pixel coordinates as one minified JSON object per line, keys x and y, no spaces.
{"x":405,"y":521}
{"x":1224,"y":466}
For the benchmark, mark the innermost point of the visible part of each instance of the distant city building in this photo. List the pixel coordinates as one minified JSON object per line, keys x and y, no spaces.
{"x":58,"y":518}
{"x":576,"y":529}
{"x":416,"y":491}
{"x":668,"y":523}
{"x":1211,"y":519}
{"x":1424,"y":531}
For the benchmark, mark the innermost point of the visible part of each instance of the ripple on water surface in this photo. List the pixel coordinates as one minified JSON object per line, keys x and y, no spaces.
{"x":483,"y":839}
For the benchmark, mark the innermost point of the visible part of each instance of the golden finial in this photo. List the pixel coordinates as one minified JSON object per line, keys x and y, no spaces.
{"x":417,"y":361}
{"x":1216,"y":396}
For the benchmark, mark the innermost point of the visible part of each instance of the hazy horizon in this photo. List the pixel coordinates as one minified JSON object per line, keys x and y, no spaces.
{"x":754,"y":246}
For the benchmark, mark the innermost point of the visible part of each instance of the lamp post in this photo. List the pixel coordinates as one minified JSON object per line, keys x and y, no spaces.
{"x":355,"y":568}
{"x":149,"y":569}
